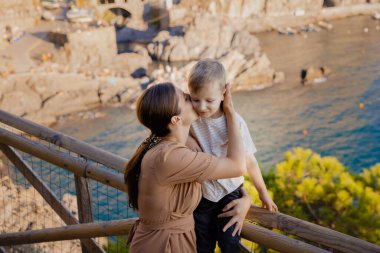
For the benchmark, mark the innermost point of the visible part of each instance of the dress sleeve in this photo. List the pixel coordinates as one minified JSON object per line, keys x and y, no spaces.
{"x":192,"y":144}
{"x":178,"y":164}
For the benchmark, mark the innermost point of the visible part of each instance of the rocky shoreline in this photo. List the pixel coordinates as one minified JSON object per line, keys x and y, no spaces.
{"x":82,"y":70}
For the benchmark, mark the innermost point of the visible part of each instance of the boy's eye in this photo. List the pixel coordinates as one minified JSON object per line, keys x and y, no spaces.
{"x":210,"y":101}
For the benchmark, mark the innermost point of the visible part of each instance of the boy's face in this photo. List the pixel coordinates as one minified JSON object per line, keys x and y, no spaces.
{"x":207,"y":100}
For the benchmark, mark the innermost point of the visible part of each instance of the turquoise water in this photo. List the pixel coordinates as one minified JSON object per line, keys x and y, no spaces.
{"x":278,"y":116}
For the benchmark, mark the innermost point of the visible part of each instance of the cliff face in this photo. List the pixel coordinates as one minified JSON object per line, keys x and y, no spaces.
{"x":20,"y":13}
{"x":247,"y":8}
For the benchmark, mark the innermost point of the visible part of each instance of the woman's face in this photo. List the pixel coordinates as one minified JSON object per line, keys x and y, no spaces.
{"x":187,"y":114}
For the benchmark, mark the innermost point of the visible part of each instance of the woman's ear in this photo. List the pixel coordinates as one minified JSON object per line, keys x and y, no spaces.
{"x":175,"y":119}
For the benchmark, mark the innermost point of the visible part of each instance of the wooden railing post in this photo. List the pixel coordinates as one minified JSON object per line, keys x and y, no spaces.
{"x":84,"y":204}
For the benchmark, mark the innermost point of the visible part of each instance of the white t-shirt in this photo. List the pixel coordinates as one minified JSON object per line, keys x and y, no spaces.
{"x":212,"y":136}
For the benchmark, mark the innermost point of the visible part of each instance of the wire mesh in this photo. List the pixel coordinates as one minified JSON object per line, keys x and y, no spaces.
{"x":22,"y":207}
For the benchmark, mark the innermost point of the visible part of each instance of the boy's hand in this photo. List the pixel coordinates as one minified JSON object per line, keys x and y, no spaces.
{"x":267,"y":203}
{"x":237,"y":209}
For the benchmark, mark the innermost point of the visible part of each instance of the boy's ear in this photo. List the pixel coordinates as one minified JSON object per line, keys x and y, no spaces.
{"x":224,"y":91}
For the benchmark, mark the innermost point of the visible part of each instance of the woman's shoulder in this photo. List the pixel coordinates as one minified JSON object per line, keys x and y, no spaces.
{"x":166,"y":150}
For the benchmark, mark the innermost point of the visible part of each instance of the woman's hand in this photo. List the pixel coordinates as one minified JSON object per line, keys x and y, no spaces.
{"x":237,"y":209}
{"x":227,"y":102}
{"x":267,"y":203}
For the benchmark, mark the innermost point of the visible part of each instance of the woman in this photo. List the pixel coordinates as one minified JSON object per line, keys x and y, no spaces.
{"x":163,"y":175}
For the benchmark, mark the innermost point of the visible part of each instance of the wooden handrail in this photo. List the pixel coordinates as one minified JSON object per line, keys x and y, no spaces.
{"x":78,"y":166}
{"x":96,"y":154}
{"x":311,"y":232}
{"x":70,"y":232}
{"x":277,"y":241}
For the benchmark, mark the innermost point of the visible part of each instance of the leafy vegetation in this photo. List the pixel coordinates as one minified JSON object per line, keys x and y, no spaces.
{"x":118,"y":246}
{"x":321,"y":190}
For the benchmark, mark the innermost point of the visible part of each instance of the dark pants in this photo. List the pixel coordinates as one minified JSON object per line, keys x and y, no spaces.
{"x":209,"y":228}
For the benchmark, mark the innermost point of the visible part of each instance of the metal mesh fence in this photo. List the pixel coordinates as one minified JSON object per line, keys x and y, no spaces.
{"x":23,"y":208}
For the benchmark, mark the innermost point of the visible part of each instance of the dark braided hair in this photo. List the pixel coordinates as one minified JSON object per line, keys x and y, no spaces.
{"x":155,"y":108}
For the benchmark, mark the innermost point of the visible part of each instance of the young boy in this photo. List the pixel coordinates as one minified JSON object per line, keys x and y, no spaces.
{"x":207,"y":82}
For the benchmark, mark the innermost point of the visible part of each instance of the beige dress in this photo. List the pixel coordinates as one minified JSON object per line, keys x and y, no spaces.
{"x":168,"y":194}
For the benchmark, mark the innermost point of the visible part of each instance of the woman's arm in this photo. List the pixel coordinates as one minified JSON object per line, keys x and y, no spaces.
{"x":234,"y":164}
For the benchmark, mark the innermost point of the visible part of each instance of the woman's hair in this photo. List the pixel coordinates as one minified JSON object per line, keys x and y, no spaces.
{"x":206,"y":72}
{"x":155,"y":108}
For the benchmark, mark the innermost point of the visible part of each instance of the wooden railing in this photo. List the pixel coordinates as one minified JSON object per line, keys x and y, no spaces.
{"x":85,"y":228}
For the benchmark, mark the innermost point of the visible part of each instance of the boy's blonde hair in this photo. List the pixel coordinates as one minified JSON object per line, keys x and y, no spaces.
{"x":204,"y":72}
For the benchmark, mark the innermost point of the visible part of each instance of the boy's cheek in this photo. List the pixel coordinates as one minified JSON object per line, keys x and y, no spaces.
{"x":197,"y":111}
{"x":195,"y":107}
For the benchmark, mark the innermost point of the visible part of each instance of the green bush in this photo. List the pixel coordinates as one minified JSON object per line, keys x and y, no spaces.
{"x":321,"y":190}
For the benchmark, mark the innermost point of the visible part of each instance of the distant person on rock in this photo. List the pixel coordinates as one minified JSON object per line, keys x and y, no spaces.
{"x":163,"y":176}
{"x":207,"y":86}
{"x":314,"y":75}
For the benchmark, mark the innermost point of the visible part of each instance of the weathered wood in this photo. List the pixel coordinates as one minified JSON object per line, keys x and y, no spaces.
{"x":84,"y":204}
{"x":78,"y":166}
{"x":99,"y":155}
{"x":50,"y":198}
{"x":277,"y":241}
{"x":311,"y":232}
{"x":70,"y":232}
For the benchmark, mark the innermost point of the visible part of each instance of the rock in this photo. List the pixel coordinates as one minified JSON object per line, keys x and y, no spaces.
{"x":226,"y":34}
{"x":20,"y":102}
{"x":245,"y":43}
{"x":130,"y":62}
{"x":209,"y":52}
{"x":314,"y":75}
{"x":110,"y":92}
{"x":252,"y":7}
{"x":71,"y":101}
{"x":177,"y":14}
{"x":206,"y":37}
{"x":91,"y":48}
{"x":138,"y":73}
{"x":179,"y":52}
{"x":233,"y":62}
{"x":43,"y":118}
{"x":279,"y":77}
{"x":284,"y":7}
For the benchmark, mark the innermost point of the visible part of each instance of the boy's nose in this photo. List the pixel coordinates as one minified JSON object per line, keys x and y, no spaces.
{"x":201,"y":106}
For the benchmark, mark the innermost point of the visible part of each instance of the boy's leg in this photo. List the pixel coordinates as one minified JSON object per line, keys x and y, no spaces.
{"x":205,"y":226}
{"x":227,"y":243}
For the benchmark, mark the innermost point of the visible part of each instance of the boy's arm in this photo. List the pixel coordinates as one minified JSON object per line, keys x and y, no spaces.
{"x":254,"y":173}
